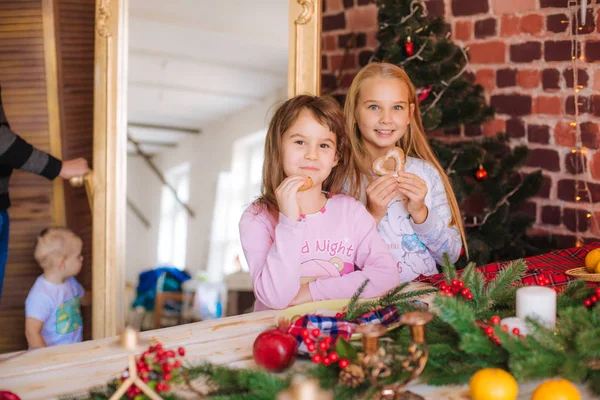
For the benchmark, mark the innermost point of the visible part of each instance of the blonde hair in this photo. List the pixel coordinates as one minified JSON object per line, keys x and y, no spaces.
{"x":413,"y":142}
{"x":328,"y":113}
{"x":53,"y":243}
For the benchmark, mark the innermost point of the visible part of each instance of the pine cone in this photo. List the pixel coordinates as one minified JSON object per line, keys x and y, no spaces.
{"x":352,"y":376}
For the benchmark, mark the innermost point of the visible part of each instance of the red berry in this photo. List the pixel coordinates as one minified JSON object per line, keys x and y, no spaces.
{"x":470,"y":296}
{"x":177,"y":364}
{"x":316,"y":332}
{"x":443,"y":286}
{"x":328,"y":340}
{"x":516,"y":331}
{"x":598,"y":291}
{"x":181,"y":351}
{"x":167,"y":376}
{"x":338,"y":315}
{"x":587,"y":302}
{"x":305,"y":333}
{"x":316,"y":358}
{"x":311,"y":347}
{"x":326,"y":361}
{"x":461,"y":284}
{"x":454,"y":282}
{"x":343,"y":363}
{"x":495,"y":320}
{"x":465,"y":292}
{"x":455,"y":289}
{"x":323,"y":346}
{"x":158,"y":346}
{"x":333,"y":356}
{"x":166,"y":387}
{"x":308,"y":341}
{"x":489,"y":331}
{"x":505,"y":328}
{"x":170,"y":354}
{"x":497,"y":340}
{"x":594,"y":299}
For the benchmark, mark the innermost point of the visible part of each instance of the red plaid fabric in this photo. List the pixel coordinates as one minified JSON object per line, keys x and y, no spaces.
{"x":550,"y":265}
{"x":337,"y":327}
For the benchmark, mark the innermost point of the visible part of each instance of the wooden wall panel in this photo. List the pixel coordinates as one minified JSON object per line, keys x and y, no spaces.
{"x":24,"y":90}
{"x":75,"y":47}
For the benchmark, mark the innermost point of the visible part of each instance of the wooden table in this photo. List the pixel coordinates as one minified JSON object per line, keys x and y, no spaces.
{"x":47,"y":373}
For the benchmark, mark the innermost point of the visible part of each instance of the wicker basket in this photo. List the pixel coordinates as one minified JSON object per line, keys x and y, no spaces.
{"x":581,"y":273}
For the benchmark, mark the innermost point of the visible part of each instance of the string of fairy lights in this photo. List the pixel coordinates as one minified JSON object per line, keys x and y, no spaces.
{"x":582,"y":193}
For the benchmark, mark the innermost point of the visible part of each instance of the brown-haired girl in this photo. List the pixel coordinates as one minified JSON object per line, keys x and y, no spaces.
{"x":303,"y":240}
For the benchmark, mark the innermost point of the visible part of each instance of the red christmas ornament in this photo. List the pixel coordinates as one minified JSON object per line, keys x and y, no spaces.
{"x":8,"y":396}
{"x":481,"y":174}
{"x":423,"y":93}
{"x":409,"y":46}
{"x":275,"y":349}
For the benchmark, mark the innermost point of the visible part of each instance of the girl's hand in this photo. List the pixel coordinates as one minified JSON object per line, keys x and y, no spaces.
{"x":287,"y":196}
{"x":415,"y":190}
{"x":379,"y":194}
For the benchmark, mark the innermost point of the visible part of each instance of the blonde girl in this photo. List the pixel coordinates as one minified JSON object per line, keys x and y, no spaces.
{"x":416,"y":212}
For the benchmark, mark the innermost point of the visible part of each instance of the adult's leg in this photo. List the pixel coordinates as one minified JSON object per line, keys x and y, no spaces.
{"x":4,"y":228}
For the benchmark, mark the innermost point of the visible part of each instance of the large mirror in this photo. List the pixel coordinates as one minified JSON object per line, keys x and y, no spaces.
{"x":173,"y":173}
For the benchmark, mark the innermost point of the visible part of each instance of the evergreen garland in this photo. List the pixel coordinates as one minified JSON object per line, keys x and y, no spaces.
{"x":458,"y":347}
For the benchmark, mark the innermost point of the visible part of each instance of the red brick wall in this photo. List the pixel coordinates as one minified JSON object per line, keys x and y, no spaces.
{"x":521,"y":54}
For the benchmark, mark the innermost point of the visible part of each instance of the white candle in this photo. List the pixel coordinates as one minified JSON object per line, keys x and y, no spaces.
{"x":537,"y":302}
{"x":515,"y":322}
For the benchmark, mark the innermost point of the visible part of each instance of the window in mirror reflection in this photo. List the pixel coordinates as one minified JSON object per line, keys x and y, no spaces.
{"x":236,"y":189}
{"x":174,"y":218}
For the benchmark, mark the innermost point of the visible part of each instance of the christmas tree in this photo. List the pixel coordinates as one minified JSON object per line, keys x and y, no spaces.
{"x":421,"y":45}
{"x":484,"y":173}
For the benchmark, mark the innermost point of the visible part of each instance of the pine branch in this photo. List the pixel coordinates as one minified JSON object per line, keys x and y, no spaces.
{"x":502,"y":202}
{"x":391,"y":294}
{"x":501,"y":288}
{"x":468,"y":276}
{"x":392,"y":298}
{"x":448,"y":269}
{"x":478,"y":289}
{"x":356,"y":296}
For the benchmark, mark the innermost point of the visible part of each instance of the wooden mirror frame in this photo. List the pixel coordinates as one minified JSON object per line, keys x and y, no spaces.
{"x":110,"y":142}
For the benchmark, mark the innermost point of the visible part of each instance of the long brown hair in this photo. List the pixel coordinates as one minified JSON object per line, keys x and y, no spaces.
{"x":328,"y":113}
{"x":413,"y":142}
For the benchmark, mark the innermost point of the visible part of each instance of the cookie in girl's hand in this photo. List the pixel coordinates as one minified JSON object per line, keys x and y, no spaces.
{"x":307,"y":185}
{"x":396,"y":154}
